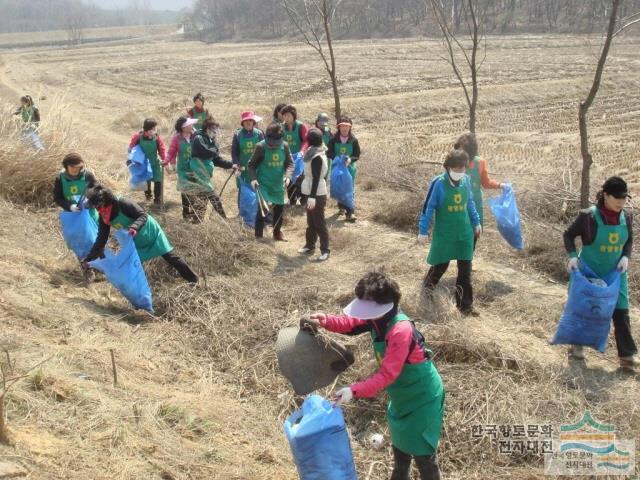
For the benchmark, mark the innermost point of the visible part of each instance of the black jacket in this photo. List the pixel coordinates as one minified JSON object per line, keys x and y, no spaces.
{"x":204,"y":148}
{"x":586,"y":227}
{"x":258,"y":157}
{"x":129,"y":208}
{"x":58,"y":195}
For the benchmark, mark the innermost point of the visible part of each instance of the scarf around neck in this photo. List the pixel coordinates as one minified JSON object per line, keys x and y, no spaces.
{"x":313,"y":152}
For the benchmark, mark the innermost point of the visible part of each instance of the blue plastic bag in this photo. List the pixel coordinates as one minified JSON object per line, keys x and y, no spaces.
{"x":124,"y":271}
{"x":139,"y":169}
{"x":298,"y":166}
{"x":586,"y":319}
{"x":320,"y":442}
{"x":247,"y":204}
{"x":79,"y":231}
{"x":505,"y":209}
{"x":342,"y":182}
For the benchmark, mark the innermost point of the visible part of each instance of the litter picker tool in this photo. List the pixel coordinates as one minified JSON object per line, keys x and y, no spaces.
{"x":225,"y":183}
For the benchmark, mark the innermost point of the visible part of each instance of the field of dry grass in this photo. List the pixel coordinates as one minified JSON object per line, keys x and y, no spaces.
{"x":200,"y":396}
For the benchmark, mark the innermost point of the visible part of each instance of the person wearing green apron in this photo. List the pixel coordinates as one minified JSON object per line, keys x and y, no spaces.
{"x":270,"y":170}
{"x":456,"y":225}
{"x":344,"y":143}
{"x":71,"y":184}
{"x":606,"y":234}
{"x":295,"y":135}
{"x":154,"y":149}
{"x":277,"y":113}
{"x":205,"y":156}
{"x":477,"y":171}
{"x":179,"y":155}
{"x":148,"y":237}
{"x":243,"y":144}
{"x":406,"y":371}
{"x":198,"y":112}
{"x":31,"y":118}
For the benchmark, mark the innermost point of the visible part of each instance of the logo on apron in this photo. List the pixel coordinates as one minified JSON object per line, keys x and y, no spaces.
{"x":614,"y":238}
{"x":275,"y":157}
{"x":117,"y":226}
{"x":457,"y":198}
{"x":289,"y":138}
{"x":248,"y":145}
{"x":343,"y":150}
{"x":73,"y":189}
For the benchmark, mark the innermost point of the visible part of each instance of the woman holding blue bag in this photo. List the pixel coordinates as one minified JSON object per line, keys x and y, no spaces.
{"x":345,"y":144}
{"x":406,"y":372}
{"x":607,"y":240}
{"x":71,"y":184}
{"x":148,"y":237}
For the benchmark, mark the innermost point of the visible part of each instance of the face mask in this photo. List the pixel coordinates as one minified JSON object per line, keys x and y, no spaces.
{"x":456,"y":176}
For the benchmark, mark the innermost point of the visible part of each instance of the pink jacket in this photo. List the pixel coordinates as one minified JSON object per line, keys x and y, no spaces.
{"x":174,"y":147}
{"x":396,"y":354}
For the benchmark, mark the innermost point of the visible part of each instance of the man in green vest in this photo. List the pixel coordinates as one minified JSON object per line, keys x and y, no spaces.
{"x":148,"y":236}
{"x":456,"y":226}
{"x":155,"y":150}
{"x":71,"y":184}
{"x":406,"y":372}
{"x":270,"y":170}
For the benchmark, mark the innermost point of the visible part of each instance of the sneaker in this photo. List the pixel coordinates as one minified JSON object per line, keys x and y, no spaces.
{"x":341,"y":211}
{"x":148,"y":195}
{"x":323,"y":257}
{"x":469,"y":312}
{"x":279,"y":237}
{"x":351,"y":218}
{"x":629,"y":362}
{"x":305,"y":250}
{"x":576,"y":352}
{"x":157,"y":201}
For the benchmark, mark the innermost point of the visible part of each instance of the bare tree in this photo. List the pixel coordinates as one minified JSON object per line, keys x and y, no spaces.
{"x":312,"y":19}
{"x":612,"y":32}
{"x":473,"y":13}
{"x":75,"y":22}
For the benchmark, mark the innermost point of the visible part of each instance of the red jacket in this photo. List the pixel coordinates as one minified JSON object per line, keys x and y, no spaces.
{"x":162,"y":150}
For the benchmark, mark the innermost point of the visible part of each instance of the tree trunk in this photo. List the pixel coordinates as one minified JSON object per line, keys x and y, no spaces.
{"x":474,"y":70}
{"x":332,"y":73}
{"x":587,"y":159}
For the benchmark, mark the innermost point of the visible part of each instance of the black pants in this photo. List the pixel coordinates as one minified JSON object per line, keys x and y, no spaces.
{"x":197,"y":205}
{"x":278,"y":214}
{"x":187,"y":209}
{"x":293,"y":191}
{"x":157,"y":190}
{"x":464,"y":291}
{"x":427,"y":466}
{"x":317,"y":226}
{"x":183,"y":269}
{"x":622,"y":331}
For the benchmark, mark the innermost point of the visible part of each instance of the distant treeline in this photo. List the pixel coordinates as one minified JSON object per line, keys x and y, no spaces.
{"x":43,"y":15}
{"x":213,"y":20}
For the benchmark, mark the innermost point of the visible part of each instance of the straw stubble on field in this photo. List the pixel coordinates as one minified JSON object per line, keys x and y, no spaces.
{"x":200,"y":396}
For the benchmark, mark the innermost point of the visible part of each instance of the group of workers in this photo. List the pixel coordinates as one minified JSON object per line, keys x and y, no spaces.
{"x":451,"y":217}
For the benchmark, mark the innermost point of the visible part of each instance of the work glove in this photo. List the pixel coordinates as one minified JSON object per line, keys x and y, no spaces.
{"x":478,"y":231}
{"x":133,"y":232}
{"x":505,"y":187}
{"x":347,"y":162}
{"x":422,"y":239}
{"x":74,"y":208}
{"x":255,"y":184}
{"x":309,"y":324}
{"x":623,"y":264}
{"x":287,"y":181}
{"x":342,"y":396}
{"x":311,"y":203}
{"x":572,"y":266}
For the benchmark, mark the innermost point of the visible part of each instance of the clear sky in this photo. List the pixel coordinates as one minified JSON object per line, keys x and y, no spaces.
{"x":155,"y":4}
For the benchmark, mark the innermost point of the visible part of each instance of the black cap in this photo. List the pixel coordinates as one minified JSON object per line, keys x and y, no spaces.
{"x":314,"y":137}
{"x":616,"y":187}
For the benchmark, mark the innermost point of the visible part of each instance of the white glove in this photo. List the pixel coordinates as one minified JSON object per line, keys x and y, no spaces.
{"x":623,"y":264}
{"x":572,"y":266}
{"x":311,"y":203}
{"x":347,"y":162}
{"x":478,"y":231}
{"x":76,"y":208}
{"x":255,"y":184}
{"x":342,"y":396}
{"x":422,"y":239}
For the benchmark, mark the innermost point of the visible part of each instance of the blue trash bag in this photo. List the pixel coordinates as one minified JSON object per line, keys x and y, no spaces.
{"x":298,"y":166}
{"x":247,"y":204}
{"x":320,"y":442}
{"x":342,"y":182}
{"x":79,"y":231}
{"x":586,"y":319}
{"x":139,"y":169}
{"x":124,"y":271}
{"x":505,"y":209}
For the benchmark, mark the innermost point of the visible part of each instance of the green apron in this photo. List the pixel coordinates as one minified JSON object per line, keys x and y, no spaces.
{"x":73,"y":190}
{"x":150,"y":148}
{"x":200,"y":117}
{"x":27,"y":114}
{"x":202,"y":173}
{"x":150,"y":241}
{"x":416,"y":402}
{"x":326,"y":136}
{"x":183,"y":169}
{"x":270,"y":174}
{"x":247,"y":146}
{"x":476,"y":186}
{"x":292,"y":137}
{"x":347,"y":149}
{"x":452,"y":230}
{"x":603,"y":255}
